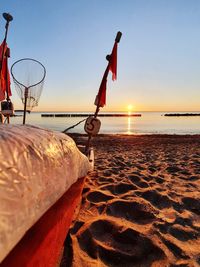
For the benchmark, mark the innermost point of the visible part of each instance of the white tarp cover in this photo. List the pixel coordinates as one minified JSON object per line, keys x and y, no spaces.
{"x":37,"y":167}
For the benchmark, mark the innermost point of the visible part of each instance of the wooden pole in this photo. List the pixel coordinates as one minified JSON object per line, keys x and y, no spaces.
{"x":25,"y":104}
{"x":97,"y":109}
{"x":117,"y":40}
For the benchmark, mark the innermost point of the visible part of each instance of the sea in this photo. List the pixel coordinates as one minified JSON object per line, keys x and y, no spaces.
{"x":148,"y":123}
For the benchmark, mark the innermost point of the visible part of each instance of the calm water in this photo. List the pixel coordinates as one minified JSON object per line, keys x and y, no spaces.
{"x":148,"y":123}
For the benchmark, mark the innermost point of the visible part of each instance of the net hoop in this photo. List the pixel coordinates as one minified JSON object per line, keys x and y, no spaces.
{"x":30,"y":59}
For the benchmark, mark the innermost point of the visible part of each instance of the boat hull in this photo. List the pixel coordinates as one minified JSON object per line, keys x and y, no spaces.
{"x":42,"y":244}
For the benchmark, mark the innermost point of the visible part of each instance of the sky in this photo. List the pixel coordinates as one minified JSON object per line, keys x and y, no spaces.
{"x":158,"y":55}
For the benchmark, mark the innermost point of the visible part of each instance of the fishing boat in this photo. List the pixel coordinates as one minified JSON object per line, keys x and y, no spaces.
{"x":42,"y":177}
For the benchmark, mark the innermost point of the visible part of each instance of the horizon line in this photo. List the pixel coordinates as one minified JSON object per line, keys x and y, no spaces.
{"x":68,"y":111}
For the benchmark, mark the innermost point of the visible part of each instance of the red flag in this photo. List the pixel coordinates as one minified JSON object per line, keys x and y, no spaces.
{"x":101,"y":97}
{"x":113,"y":62}
{"x":4,"y":75}
{"x":112,"y":66}
{"x":100,"y":100}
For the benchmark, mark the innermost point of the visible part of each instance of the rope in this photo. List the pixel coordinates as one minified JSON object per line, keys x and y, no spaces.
{"x":71,"y":127}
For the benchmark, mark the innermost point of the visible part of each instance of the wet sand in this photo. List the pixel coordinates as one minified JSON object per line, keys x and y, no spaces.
{"x":141,"y":204}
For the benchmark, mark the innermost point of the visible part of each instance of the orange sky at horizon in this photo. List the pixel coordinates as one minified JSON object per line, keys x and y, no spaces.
{"x":114,"y":109}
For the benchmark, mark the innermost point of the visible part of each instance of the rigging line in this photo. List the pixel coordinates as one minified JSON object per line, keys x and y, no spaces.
{"x":73,"y":126}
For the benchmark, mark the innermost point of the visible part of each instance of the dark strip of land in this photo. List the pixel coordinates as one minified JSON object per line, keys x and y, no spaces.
{"x":21,"y":110}
{"x":181,"y":114}
{"x":87,"y":115}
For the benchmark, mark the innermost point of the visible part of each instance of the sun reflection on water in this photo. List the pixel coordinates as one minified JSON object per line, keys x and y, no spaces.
{"x":129,"y":126}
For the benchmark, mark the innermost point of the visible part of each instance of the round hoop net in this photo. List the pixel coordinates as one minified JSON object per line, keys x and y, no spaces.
{"x":28,"y":75}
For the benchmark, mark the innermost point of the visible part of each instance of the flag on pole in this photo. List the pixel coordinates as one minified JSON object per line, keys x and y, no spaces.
{"x":100,"y":100}
{"x":113,"y":62}
{"x":112,"y":66}
{"x":4,"y":75}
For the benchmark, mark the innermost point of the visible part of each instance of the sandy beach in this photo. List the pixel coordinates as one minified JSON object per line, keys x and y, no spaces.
{"x":141,"y":204}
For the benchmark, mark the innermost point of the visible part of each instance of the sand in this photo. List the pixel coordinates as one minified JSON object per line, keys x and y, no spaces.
{"x":141,"y":204}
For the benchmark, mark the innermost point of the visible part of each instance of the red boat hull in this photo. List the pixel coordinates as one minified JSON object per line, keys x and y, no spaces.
{"x":42,"y":244}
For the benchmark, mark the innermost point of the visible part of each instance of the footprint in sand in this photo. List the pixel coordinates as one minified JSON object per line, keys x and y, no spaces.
{"x":118,"y":246}
{"x":180,"y":232}
{"x":183,"y":233}
{"x":159,"y":180}
{"x":138,"y":212}
{"x":138,"y":181}
{"x":177,"y":251}
{"x":142,"y":184}
{"x":192,"y":204}
{"x":158,"y":200}
{"x":148,"y":178}
{"x":97,"y":196}
{"x":163,"y":227}
{"x":134,"y":178}
{"x":183,"y":221}
{"x":172,"y":169}
{"x":152,"y":169}
{"x":194,"y":178}
{"x":116,"y":170}
{"x":120,"y":188}
{"x":185,"y":172}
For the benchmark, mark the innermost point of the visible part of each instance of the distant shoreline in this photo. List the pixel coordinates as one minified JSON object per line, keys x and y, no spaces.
{"x":181,"y":114}
{"x":89,"y":114}
{"x":125,"y":111}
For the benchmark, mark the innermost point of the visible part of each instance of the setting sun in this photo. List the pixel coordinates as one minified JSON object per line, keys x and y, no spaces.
{"x":130,"y":107}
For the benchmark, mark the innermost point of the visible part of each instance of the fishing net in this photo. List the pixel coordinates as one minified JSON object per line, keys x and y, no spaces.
{"x":28,"y":76}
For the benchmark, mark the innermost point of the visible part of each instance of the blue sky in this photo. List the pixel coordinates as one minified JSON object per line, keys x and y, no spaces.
{"x":158,"y":56}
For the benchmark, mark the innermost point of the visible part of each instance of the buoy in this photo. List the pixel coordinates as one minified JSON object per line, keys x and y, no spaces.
{"x":92,"y":125}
